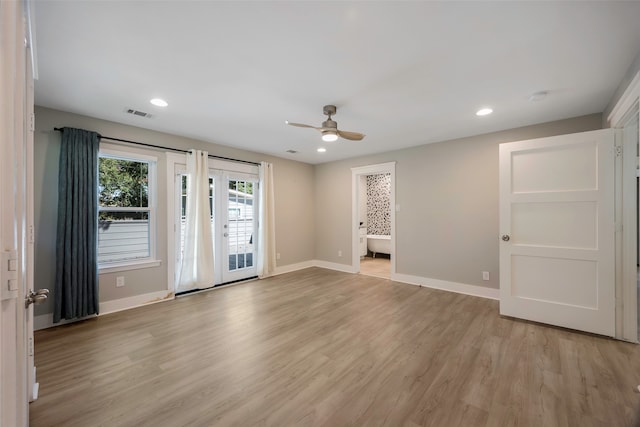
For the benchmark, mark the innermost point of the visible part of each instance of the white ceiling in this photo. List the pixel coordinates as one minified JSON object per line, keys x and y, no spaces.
{"x":403,"y":73}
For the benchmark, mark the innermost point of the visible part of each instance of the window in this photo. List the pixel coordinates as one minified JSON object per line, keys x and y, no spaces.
{"x":126,"y":212}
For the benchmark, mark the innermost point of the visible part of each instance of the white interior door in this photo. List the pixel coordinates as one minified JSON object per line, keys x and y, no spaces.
{"x":15,"y":113}
{"x":557,"y":228}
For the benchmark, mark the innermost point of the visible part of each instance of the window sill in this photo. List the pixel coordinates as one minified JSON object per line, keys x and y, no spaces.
{"x":135,"y":265}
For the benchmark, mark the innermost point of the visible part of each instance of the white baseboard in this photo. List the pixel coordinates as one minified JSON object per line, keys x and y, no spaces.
{"x":293,"y":267}
{"x":314,"y":263}
{"x":460,"y":288}
{"x":135,"y":301}
{"x":46,"y":320}
{"x":345,"y":268}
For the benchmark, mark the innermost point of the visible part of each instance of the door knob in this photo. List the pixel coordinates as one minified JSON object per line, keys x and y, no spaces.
{"x":225,"y":234}
{"x":37,"y":297}
{"x":506,"y":237}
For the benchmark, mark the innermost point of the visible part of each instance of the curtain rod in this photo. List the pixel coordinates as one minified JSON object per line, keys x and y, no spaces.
{"x":169,"y":148}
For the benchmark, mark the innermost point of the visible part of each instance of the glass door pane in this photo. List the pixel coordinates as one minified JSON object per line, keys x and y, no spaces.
{"x":240,"y":230}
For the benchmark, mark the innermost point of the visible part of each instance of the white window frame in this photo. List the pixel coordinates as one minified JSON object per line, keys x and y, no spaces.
{"x":151,"y":260}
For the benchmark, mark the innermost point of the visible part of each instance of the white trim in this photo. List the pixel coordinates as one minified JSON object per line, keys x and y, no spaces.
{"x":173,"y":159}
{"x":134,"y":301}
{"x":345,"y":268}
{"x":444,"y":285}
{"x":106,"y":150}
{"x":374,"y":169}
{"x":356,"y":173}
{"x":626,"y":287}
{"x":293,"y":267}
{"x":44,"y":321}
{"x":626,"y":101}
{"x":626,"y":176}
{"x":30,"y":14}
{"x":133,"y":265}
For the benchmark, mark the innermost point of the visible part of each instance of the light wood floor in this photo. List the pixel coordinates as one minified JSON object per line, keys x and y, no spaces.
{"x":318,"y":347}
{"x":378,"y":267}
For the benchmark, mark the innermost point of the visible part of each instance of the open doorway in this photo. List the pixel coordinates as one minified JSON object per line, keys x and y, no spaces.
{"x":374,"y":210}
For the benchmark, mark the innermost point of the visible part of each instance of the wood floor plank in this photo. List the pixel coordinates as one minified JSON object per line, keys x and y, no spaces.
{"x":323,"y":348}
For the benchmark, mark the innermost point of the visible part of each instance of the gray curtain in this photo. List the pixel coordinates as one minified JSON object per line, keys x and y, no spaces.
{"x":76,"y":287}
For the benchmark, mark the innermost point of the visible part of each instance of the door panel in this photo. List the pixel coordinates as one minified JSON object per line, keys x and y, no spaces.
{"x":239,"y":229}
{"x":557,"y":209}
{"x":529,"y":224}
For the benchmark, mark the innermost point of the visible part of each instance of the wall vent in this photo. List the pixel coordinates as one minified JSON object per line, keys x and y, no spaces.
{"x":137,"y":113}
{"x":292,"y":151}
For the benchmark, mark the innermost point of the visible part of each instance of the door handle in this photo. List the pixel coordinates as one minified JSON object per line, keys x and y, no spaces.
{"x":37,"y":297}
{"x":506,"y":237}
{"x":225,"y":234}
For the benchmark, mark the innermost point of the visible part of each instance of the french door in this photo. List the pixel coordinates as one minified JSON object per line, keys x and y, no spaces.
{"x":234,"y":223}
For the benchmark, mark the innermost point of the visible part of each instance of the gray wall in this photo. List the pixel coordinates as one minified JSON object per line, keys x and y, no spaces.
{"x":294,"y":194}
{"x":447,"y":226}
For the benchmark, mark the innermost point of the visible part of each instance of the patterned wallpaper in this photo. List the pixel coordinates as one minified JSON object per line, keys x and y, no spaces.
{"x":378,"y":204}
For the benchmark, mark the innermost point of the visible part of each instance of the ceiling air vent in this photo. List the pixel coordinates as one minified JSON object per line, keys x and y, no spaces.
{"x":292,"y":151}
{"x":138,"y":113}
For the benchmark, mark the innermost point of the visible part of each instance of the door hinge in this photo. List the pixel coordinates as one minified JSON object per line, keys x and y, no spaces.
{"x":32,"y":122}
{"x":31,"y":234}
{"x":618,"y":227}
{"x":9,"y":273}
{"x":30,"y":346}
{"x":618,"y":150}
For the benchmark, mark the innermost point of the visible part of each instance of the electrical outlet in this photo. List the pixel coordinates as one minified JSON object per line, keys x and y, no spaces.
{"x":119,"y":281}
{"x":278,"y":255}
{"x":485,"y":275}
{"x":340,"y":253}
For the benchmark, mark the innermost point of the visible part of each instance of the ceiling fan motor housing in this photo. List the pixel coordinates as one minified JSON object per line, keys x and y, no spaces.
{"x":329,"y":110}
{"x":330,"y":124}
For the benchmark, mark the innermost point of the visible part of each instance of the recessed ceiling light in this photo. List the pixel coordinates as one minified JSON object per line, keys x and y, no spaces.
{"x":484,"y":111}
{"x":159,"y":102}
{"x":322,"y":150}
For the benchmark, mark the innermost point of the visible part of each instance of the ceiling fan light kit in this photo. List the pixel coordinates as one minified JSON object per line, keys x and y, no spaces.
{"x":329,"y":127}
{"x":329,"y":136}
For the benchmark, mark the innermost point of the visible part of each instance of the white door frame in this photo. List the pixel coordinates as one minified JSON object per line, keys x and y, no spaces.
{"x":627,"y":212}
{"x":356,"y":173}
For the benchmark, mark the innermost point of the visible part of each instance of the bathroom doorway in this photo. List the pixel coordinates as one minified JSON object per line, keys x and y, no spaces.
{"x":374,"y":208}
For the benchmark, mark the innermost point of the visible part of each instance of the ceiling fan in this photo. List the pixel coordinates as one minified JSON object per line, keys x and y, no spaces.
{"x":329,"y":128}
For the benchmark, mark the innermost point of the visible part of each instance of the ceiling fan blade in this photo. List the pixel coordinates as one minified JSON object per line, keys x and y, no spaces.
{"x":301,"y":125}
{"x":353,"y":136}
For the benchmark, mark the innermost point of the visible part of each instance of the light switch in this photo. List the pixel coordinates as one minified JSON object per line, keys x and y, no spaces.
{"x":13,"y":285}
{"x":13,"y":265}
